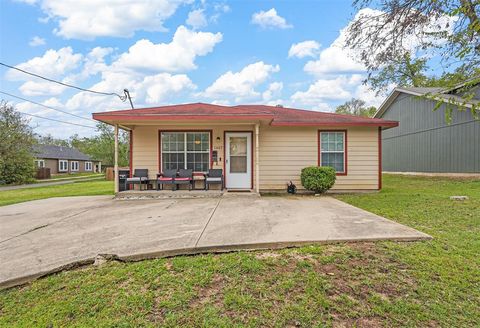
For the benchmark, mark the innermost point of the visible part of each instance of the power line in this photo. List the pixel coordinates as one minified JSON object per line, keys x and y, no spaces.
{"x":122,"y":98}
{"x":39,"y":104}
{"x":52,"y":119}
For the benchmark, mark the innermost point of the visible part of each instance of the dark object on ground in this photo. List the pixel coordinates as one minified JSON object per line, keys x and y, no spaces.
{"x":123,"y":175}
{"x":291,"y":188}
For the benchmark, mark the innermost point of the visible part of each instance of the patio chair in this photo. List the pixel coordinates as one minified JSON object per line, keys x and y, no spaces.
{"x":140,"y":177}
{"x":214,"y":176}
{"x":167,"y":177}
{"x":184,"y":177}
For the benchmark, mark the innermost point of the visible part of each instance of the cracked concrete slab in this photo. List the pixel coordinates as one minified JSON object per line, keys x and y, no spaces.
{"x":44,"y":236}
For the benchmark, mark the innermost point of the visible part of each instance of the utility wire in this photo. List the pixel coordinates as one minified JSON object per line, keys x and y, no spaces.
{"x":39,"y":104}
{"x":122,"y":98}
{"x":52,"y":119}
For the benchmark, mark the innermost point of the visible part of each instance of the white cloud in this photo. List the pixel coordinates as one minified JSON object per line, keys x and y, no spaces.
{"x":270,"y":19}
{"x":178,"y":55}
{"x":335,"y":59}
{"x":365,"y":93}
{"x":338,"y":58}
{"x":219,"y":8}
{"x":196,"y":19}
{"x":241,"y":85}
{"x":304,"y":49}
{"x":93,"y":63}
{"x":36,"y":41}
{"x":43,"y":88}
{"x":87,"y":19}
{"x":52,"y":64}
{"x":274,"y":90}
{"x":324,"y":90}
{"x":159,"y":87}
{"x":145,"y":90}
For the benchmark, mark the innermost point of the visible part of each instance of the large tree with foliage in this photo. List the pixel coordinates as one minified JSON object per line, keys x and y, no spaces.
{"x":16,"y":145}
{"x":447,"y":31}
{"x":356,"y":107}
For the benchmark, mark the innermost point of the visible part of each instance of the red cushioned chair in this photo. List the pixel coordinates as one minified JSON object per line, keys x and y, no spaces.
{"x":184,"y":177}
{"x":167,"y":177}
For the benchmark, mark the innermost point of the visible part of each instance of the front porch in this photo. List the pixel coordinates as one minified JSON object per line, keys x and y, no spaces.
{"x":230,"y":147}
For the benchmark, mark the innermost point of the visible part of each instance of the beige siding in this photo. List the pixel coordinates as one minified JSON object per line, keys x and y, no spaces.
{"x":146,"y":148}
{"x":284,"y":151}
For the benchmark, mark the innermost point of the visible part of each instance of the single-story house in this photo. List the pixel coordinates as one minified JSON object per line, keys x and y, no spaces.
{"x":425,"y":142}
{"x":259,"y":148}
{"x":64,"y":160}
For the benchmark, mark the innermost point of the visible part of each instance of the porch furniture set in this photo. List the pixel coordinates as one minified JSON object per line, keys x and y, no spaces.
{"x":174,"y":178}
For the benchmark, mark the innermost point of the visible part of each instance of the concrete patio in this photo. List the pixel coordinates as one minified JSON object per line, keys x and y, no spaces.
{"x":45,"y":236}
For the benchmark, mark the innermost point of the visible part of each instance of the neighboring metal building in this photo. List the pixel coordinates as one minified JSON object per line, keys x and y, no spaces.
{"x":424,"y":141}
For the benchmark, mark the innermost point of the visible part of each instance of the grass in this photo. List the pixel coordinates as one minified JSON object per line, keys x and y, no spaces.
{"x":72,"y":175}
{"x":428,"y":284}
{"x":79,"y":188}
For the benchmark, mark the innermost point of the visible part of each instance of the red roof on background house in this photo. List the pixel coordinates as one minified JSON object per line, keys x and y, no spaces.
{"x":278,"y":116}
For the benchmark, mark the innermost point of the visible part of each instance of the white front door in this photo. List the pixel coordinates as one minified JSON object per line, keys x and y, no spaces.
{"x":238,"y":160}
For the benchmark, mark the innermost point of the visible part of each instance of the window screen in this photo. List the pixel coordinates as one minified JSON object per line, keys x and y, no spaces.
{"x":332,"y":150}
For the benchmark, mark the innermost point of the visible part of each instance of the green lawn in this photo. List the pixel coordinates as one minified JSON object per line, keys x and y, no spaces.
{"x":87,"y":188}
{"x":411,"y":284}
{"x":72,"y":175}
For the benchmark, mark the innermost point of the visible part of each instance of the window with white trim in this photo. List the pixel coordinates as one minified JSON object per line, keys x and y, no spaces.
{"x":74,"y":166}
{"x":39,"y":163}
{"x":185,"y":150}
{"x":332,"y":150}
{"x":88,"y":166}
{"x":62,"y":165}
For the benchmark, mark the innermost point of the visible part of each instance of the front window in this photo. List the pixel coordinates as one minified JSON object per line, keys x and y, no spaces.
{"x":186,"y":150}
{"x":39,"y":163}
{"x":88,"y":166}
{"x":332,"y":150}
{"x":62,"y":166}
{"x":74,"y":166}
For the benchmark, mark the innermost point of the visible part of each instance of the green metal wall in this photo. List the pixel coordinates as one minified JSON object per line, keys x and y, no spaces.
{"x":425,"y":142}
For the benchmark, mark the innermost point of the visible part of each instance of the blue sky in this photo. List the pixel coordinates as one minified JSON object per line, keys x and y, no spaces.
{"x":164,"y":52}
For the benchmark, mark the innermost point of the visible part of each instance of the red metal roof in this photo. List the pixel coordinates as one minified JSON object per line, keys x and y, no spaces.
{"x":279,"y":116}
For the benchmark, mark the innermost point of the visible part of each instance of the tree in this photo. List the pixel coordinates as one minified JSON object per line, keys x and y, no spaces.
{"x":383,"y":39}
{"x":403,"y":71}
{"x":16,"y":146}
{"x":50,"y":140}
{"x":102,"y":146}
{"x":356,"y":107}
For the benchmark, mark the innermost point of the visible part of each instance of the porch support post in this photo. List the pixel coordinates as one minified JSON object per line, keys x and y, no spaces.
{"x":115,"y":167}
{"x":257,"y":158}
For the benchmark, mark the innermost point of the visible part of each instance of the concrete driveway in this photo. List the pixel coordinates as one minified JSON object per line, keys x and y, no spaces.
{"x":44,"y":236}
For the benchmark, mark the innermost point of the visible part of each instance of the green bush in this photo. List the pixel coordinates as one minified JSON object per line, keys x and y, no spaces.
{"x":318,"y":178}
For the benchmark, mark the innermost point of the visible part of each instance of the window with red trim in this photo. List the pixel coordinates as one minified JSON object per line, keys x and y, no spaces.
{"x":186,"y":150}
{"x":332,"y":150}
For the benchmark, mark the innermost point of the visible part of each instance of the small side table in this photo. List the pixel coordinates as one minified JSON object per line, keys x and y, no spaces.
{"x":152,"y":183}
{"x":197,"y":178}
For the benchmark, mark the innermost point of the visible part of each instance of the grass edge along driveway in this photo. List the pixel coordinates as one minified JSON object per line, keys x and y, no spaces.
{"x":430,"y":283}
{"x":78,"y":188}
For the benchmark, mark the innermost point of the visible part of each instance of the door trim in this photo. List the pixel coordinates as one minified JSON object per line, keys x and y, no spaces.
{"x":225,"y":153}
